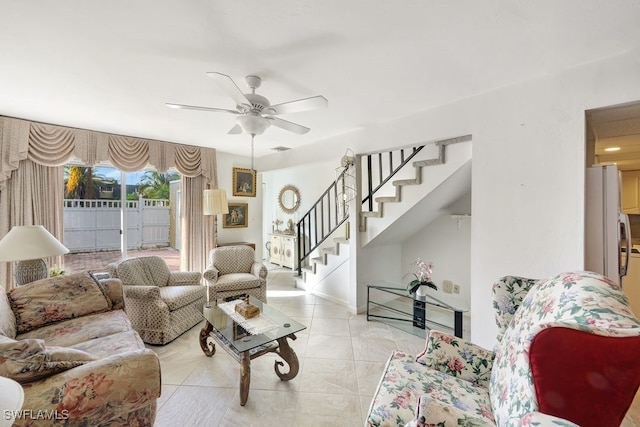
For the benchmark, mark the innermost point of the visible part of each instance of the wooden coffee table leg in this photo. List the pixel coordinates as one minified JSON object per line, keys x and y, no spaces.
{"x":289,"y":356}
{"x":245,"y":376}
{"x":206,"y":342}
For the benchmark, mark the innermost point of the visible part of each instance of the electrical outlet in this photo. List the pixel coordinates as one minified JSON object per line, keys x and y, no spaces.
{"x":456,"y":289}
{"x":447,"y":286}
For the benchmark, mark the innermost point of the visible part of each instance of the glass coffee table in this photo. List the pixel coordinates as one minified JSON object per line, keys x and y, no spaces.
{"x":221,"y":328}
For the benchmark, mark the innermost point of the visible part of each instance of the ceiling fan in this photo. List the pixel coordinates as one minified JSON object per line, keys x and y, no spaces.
{"x":254,"y":113}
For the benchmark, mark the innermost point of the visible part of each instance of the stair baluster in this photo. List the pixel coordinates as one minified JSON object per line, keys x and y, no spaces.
{"x":313,"y":232}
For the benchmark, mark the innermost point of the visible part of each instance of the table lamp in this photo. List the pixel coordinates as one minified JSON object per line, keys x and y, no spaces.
{"x":28,"y":244}
{"x":214,"y":202}
{"x":11,"y":401}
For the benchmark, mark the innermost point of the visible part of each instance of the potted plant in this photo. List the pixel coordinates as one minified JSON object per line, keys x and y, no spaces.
{"x":422,"y":276}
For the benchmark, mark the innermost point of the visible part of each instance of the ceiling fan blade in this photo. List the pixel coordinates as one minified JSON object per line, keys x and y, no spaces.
{"x":305,"y":104}
{"x":235,"y":130}
{"x":290,"y":126}
{"x":227,"y":84}
{"x":195,"y":107}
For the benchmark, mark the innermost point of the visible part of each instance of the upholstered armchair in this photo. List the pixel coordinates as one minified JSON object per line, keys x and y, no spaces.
{"x":567,"y":355}
{"x":159,"y":302}
{"x":233,"y":272}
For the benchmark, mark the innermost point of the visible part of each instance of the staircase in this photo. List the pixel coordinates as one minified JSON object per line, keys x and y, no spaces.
{"x":418,"y":173}
{"x":415,"y":180}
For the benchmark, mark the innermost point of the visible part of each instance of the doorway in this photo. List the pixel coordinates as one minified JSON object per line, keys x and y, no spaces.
{"x":613,"y":137}
{"x":111,"y":215}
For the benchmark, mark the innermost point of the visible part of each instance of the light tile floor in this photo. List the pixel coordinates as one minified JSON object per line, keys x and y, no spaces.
{"x":341,"y":356}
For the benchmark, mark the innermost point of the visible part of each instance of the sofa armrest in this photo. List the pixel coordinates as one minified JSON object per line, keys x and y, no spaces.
{"x":144,"y":292}
{"x":102,"y":390}
{"x":211,"y":274}
{"x":259,"y":269}
{"x":457,"y":357}
{"x":538,"y":419}
{"x":113,"y":288}
{"x":179,"y":278}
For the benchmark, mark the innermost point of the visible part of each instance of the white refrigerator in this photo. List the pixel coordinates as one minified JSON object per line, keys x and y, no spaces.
{"x":605,"y":224}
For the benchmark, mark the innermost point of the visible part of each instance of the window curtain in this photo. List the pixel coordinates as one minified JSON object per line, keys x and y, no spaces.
{"x":33,"y":153}
{"x":28,"y":202}
{"x":194,"y":252}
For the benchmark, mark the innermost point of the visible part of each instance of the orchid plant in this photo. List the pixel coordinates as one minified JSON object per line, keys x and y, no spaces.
{"x":422,"y":276}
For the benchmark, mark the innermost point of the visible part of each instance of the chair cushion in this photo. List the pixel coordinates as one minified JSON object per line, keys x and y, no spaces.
{"x":433,"y":412}
{"x":405,"y":381}
{"x":109,"y":345}
{"x":232,"y":259}
{"x":151,"y":270}
{"x":55,"y":299}
{"x":237,"y":281}
{"x":179,"y":296}
{"x":458,"y":358}
{"x":158,"y":270}
{"x":74,"y":331}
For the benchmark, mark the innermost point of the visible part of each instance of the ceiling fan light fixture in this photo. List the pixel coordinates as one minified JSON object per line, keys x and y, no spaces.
{"x":253,"y":124}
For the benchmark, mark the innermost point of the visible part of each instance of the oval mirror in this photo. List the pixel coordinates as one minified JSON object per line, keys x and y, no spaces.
{"x":289,"y":199}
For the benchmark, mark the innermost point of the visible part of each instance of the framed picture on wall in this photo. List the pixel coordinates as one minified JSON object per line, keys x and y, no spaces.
{"x":238,"y":216}
{"x":244,"y":182}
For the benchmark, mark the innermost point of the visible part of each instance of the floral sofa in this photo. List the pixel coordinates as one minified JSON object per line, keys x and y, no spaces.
{"x":567,"y":354}
{"x":71,"y":345}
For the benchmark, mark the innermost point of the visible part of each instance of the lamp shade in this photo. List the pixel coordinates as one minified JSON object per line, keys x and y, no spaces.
{"x":25,"y":242}
{"x":11,"y":400}
{"x":215,"y":202}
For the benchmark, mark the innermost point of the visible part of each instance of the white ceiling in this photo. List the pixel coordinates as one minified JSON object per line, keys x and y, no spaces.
{"x":617,"y":127}
{"x":111,"y":65}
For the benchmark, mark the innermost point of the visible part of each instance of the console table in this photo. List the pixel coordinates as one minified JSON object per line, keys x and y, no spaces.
{"x":284,"y":250}
{"x":394,"y":306}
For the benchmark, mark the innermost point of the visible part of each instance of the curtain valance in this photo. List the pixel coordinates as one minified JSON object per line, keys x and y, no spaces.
{"x":52,"y":145}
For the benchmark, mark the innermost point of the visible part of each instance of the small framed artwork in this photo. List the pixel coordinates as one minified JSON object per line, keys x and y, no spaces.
{"x":244,"y":182}
{"x":238,"y":216}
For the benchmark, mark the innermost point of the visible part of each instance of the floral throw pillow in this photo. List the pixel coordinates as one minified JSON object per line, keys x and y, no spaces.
{"x":54,"y":299}
{"x":432,"y":413}
{"x":457,"y":357}
{"x":30,"y":360}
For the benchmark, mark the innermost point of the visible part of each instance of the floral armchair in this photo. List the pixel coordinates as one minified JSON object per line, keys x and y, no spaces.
{"x":567,"y":355}
{"x":159,"y":302}
{"x":233,"y":272}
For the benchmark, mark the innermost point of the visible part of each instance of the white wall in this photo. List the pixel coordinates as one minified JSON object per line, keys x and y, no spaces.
{"x":528,"y":170}
{"x":311,"y":180}
{"x":448,"y":247}
{"x":253,"y":233}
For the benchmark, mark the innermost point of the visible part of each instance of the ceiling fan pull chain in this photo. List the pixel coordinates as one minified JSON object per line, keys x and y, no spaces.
{"x":252,"y":135}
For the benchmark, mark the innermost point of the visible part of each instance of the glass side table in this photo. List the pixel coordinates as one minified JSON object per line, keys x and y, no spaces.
{"x":392,"y":304}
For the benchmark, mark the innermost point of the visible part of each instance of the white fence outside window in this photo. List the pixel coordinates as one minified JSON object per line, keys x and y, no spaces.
{"x":94,"y":225}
